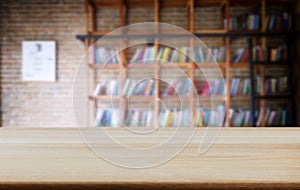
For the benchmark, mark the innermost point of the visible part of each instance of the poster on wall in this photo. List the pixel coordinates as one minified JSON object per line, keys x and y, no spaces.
{"x":38,"y":60}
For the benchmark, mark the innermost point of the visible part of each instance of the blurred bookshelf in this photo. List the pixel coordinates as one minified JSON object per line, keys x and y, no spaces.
{"x":255,"y":55}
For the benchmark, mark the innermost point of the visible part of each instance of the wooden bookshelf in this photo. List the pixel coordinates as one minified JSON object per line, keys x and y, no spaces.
{"x":91,"y":35}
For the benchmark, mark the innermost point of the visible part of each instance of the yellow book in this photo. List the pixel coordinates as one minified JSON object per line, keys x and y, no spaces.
{"x":169,"y":119}
{"x":165,"y":55}
{"x":196,"y":117}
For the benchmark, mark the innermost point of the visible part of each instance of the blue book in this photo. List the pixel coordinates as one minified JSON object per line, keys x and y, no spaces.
{"x":107,"y":118}
{"x":196,"y":55}
{"x":221,"y":89}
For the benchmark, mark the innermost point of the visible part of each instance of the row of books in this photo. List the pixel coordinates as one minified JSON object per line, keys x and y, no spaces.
{"x":107,"y":56}
{"x":181,"y":55}
{"x":166,"y":118}
{"x":241,"y":55}
{"x":244,"y":22}
{"x":213,"y":87}
{"x":240,"y":86}
{"x":131,"y":87}
{"x":174,"y":118}
{"x":107,"y":118}
{"x":277,"y":54}
{"x":276,"y":21}
{"x":147,"y":87}
{"x":107,"y":87}
{"x":178,"y":87}
{"x":279,"y":21}
{"x":208,"y":117}
{"x":215,"y":55}
{"x":203,"y":117}
{"x":144,"y":55}
{"x":142,"y":118}
{"x":138,"y":118}
{"x":270,"y":54}
{"x":167,"y":54}
{"x":259,"y":54}
{"x":201,"y":55}
{"x":134,"y":87}
{"x":273,"y":86}
{"x":240,"y":117}
{"x":273,"y":117}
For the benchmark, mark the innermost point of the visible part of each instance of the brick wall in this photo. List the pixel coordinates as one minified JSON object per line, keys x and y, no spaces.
{"x":39,"y":104}
{"x":49,"y":104}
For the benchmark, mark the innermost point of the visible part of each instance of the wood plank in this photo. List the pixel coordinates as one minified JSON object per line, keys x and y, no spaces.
{"x":239,"y":156}
{"x":156,"y":14}
{"x":86,"y":16}
{"x":210,"y":31}
{"x":205,"y":3}
{"x":104,"y":66}
{"x":93,"y":19}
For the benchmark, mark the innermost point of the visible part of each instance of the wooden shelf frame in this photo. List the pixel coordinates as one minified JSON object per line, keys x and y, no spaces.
{"x":91,"y":35}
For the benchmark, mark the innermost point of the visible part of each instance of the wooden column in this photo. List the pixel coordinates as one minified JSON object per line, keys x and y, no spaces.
{"x":262,"y":68}
{"x":123,"y":64}
{"x":191,"y":63}
{"x":227,"y":67}
{"x":86,"y":46}
{"x":156,"y":67}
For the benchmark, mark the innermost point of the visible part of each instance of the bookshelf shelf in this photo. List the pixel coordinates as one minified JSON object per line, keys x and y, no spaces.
{"x":104,"y":97}
{"x":239,"y":65}
{"x":210,"y":31}
{"x":204,"y":35}
{"x":102,"y":66}
{"x":139,"y":97}
{"x":210,"y":65}
{"x":174,"y":65}
{"x":272,"y":97}
{"x":227,"y":36}
{"x":174,"y":97}
{"x":215,"y":97}
{"x":271,"y":63}
{"x":140,"y":65}
{"x":244,"y":32}
{"x":240,"y":96}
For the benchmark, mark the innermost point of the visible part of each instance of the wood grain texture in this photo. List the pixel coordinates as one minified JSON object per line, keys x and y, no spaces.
{"x":240,"y":157}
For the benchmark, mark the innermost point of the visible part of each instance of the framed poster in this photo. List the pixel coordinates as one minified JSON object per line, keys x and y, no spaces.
{"x":38,"y":61}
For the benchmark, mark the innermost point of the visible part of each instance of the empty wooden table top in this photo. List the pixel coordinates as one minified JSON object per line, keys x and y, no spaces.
{"x":240,"y":157}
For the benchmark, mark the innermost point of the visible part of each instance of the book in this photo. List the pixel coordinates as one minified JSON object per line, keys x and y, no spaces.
{"x":137,"y":118}
{"x":106,"y":56}
{"x":273,"y":85}
{"x":279,"y":21}
{"x":178,"y":87}
{"x":107,"y":87}
{"x":209,"y":117}
{"x":107,"y":118}
{"x":240,"y":117}
{"x":240,"y":86}
{"x":144,"y":55}
{"x":142,"y":88}
{"x":213,"y":87}
{"x":244,"y":22}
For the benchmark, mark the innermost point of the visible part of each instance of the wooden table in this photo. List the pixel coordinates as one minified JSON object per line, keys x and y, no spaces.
{"x":240,"y":157}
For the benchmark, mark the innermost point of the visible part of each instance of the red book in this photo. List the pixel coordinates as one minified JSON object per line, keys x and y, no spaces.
{"x":245,"y":56}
